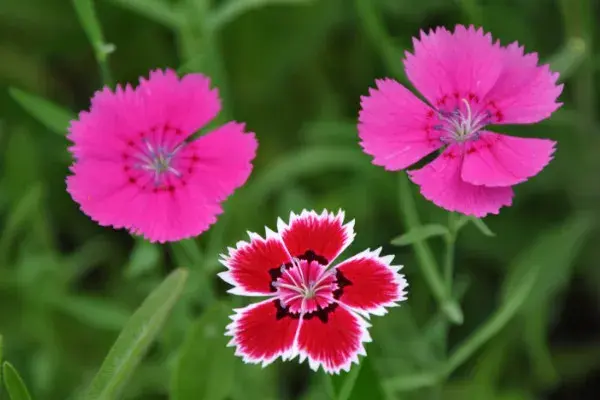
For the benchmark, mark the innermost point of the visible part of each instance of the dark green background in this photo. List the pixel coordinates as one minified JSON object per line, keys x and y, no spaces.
{"x":295,"y":73}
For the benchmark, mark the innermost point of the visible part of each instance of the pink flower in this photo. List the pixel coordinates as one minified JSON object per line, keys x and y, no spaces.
{"x":469,"y":83}
{"x":136,"y":166}
{"x":313,"y":310}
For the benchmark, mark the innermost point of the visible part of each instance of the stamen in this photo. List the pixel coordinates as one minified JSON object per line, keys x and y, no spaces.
{"x":461,"y":126}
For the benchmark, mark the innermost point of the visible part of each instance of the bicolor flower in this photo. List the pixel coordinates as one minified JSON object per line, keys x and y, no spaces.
{"x":314,"y":309}
{"x":469,"y":83}
{"x":136,"y":166}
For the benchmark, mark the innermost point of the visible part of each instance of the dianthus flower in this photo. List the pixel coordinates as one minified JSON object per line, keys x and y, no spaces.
{"x":313,"y":309}
{"x":135,"y":166}
{"x":469,"y":83}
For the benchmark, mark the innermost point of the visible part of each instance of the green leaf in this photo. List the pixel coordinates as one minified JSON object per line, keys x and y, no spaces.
{"x":303,"y":163}
{"x":205,"y":365}
{"x":95,"y":312}
{"x":14,"y":384}
{"x":479,"y":224}
{"x":51,"y":115}
{"x":420,"y":233}
{"x":569,"y":57}
{"x":555,"y":250}
{"x":510,"y":306}
{"x":144,"y":257}
{"x":362,"y":382}
{"x":232,"y":9}
{"x":91,"y":26}
{"x":24,"y":210}
{"x":132,"y":343}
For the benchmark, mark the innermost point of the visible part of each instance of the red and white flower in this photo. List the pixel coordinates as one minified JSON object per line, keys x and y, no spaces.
{"x":313,"y":310}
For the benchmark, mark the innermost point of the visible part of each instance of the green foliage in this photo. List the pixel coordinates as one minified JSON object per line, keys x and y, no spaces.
{"x":136,"y":337}
{"x":205,"y":349}
{"x":15,"y":387}
{"x":53,"y":116}
{"x":293,"y":71}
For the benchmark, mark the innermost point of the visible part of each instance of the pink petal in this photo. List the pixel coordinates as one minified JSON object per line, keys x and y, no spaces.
{"x":371,"y":282}
{"x":224,"y":159}
{"x":262,"y":332}
{"x":332,"y":339}
{"x":448,"y":66}
{"x":500,"y":160}
{"x":249,"y":265}
{"x":105,"y":130}
{"x":211,"y":168}
{"x":187,"y":104}
{"x":441,"y":183}
{"x":524,"y":92}
{"x":321,"y":237}
{"x":395,"y":127}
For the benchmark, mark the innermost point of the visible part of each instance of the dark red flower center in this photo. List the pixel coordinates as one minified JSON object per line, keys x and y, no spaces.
{"x":157,"y":160}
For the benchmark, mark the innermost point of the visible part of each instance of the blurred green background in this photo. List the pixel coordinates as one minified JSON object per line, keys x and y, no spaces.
{"x":294,"y":71}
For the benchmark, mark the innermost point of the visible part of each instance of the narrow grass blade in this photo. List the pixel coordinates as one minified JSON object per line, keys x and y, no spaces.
{"x":54,"y":117}
{"x":139,"y":332}
{"x":14,"y":384}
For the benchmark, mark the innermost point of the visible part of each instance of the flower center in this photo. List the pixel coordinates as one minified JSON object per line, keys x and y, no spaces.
{"x":305,"y":287}
{"x":462,"y":124}
{"x":158,"y":160}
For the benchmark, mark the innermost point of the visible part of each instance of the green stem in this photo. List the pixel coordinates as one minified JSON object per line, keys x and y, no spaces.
{"x":427,"y":262}
{"x":374,"y":27}
{"x":449,"y":256}
{"x":329,"y":387}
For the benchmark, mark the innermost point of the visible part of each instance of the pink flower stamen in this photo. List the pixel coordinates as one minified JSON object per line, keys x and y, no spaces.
{"x":305,"y":287}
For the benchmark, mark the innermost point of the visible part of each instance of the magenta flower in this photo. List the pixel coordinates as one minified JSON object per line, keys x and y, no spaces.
{"x":136,"y":167}
{"x":469,"y":83}
{"x":313,"y":309}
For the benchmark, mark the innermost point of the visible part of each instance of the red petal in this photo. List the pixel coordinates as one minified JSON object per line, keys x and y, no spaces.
{"x":325,"y":235}
{"x":333,"y":340}
{"x":373,"y":283}
{"x":262,"y":332}
{"x":250,"y":264}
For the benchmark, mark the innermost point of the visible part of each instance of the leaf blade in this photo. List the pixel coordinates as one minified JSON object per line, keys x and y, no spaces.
{"x":136,"y":336}
{"x":420,"y":233}
{"x":49,"y":114}
{"x":15,"y":386}
{"x":205,"y":348}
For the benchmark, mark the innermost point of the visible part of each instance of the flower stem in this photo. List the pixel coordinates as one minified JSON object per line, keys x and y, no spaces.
{"x":449,"y":256}
{"x":329,"y":387}
{"x":427,"y":261}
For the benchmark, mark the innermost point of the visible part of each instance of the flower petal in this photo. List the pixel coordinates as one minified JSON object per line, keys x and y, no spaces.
{"x":524,"y":92}
{"x":209,"y":170}
{"x":262,"y":332}
{"x":500,"y":160}
{"x":310,"y":234}
{"x":441,"y":183}
{"x":250,"y":265}
{"x":371,"y":282}
{"x":104,"y":131}
{"x":187,"y":104}
{"x":224,"y":160}
{"x":448,"y":66}
{"x":395,"y":127}
{"x":333,"y":340}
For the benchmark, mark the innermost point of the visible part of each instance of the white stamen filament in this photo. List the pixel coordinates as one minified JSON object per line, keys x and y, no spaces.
{"x":461,"y":127}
